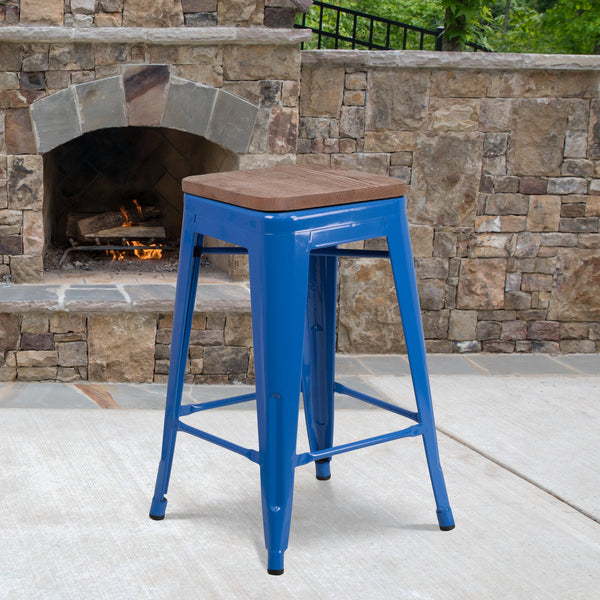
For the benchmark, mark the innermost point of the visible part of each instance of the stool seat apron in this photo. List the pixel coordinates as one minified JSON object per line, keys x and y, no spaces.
{"x":290,"y":221}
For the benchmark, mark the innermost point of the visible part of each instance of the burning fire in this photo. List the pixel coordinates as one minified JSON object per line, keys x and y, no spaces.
{"x":154,"y":252}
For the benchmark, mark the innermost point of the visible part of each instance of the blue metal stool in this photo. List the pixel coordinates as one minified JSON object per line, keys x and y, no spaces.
{"x":290,"y":221}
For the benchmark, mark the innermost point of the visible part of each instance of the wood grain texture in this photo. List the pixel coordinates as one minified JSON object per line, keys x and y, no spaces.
{"x":288,"y":188}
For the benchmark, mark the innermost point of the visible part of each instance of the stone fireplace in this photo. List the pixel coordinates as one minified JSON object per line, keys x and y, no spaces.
{"x":109,"y":103}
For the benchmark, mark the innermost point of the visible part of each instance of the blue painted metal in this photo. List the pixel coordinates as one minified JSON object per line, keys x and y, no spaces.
{"x":293,"y":278}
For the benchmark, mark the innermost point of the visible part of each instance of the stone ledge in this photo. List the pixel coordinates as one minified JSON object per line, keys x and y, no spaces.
{"x":173,"y":36}
{"x":111,"y":298}
{"x":422,"y":59}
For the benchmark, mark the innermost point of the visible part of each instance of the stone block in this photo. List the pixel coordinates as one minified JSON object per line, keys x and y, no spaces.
{"x":389,"y":141}
{"x":26,"y":269}
{"x":369,"y":318}
{"x":498,"y":346}
{"x":574,"y":331}
{"x":231,"y":122}
{"x":577,"y":168}
{"x":19,"y":132}
{"x":445,"y":178}
{"x":421,"y":237}
{"x":321,"y":92}
{"x":101,"y":104}
{"x":9,"y":332}
{"x":207,"y":337}
{"x":538,"y":130}
{"x":188,"y":106}
{"x":279,"y":17}
{"x":543,"y":331}
{"x":371,"y":163}
{"x":573,"y":210}
{"x":55,"y":119}
{"x":57,"y":80}
{"x":532,"y":185}
{"x":121,"y":347}
{"x":257,"y":63}
{"x":63,"y":322}
{"x":158,"y":13}
{"x":544,"y":213}
{"x":522,"y":83}
{"x":49,"y":12}
{"x":495,"y":114}
{"x":576,"y":143}
{"x":468,"y":346}
{"x":238,"y":330}
{"x":108,"y":20}
{"x":241,"y":13}
{"x":575,"y":293}
{"x":37,"y":341}
{"x":11,"y":245}
{"x":83,"y":7}
{"x":225,"y":360}
{"x":582,"y":225}
{"x":36,"y":358}
{"x":37,"y":373}
{"x":453,"y":114}
{"x":34,"y":323}
{"x":9,"y":15}
{"x":72,"y":354}
{"x":283,"y":127}
{"x":536,"y":282}
{"x":33,"y":232}
{"x":71,"y":57}
{"x":352,"y":122}
{"x":459,"y":84}
{"x":594,"y":142}
{"x":558,"y":239}
{"x":579,"y":115}
{"x":435,"y":323}
{"x":507,"y":204}
{"x":567,"y":185}
{"x":488,"y":330}
{"x":594,"y":187}
{"x":577,"y":346}
{"x":397,"y":100}
{"x":492,"y":245}
{"x":110,"y":6}
{"x":195,"y":6}
{"x":444,"y":244}
{"x":462,"y":325}
{"x":145,"y":93}
{"x":356,"y":81}
{"x":481,"y":284}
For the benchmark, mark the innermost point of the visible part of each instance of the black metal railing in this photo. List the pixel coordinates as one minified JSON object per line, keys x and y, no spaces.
{"x":335,"y":27}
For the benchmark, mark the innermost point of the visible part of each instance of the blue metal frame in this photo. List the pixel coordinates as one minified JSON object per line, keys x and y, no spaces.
{"x":293,"y":280}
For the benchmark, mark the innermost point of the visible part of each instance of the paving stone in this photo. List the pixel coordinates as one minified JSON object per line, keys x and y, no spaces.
{"x":90,"y":298}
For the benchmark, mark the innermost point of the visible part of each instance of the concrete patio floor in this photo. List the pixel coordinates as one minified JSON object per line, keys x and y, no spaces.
{"x":519,"y":442}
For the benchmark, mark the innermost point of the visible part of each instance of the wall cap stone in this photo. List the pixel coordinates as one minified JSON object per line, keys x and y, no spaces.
{"x":172,"y":36}
{"x":465,"y":61}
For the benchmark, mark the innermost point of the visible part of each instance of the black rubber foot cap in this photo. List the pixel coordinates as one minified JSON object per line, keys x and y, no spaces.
{"x":323,"y":477}
{"x":157,"y":517}
{"x":447,"y":527}
{"x":275,"y":571}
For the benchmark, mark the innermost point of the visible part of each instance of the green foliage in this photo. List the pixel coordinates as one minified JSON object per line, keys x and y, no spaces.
{"x":541,"y":26}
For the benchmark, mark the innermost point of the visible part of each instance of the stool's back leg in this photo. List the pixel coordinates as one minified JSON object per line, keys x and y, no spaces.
{"x":278,"y":280}
{"x":408,"y":300}
{"x":185,"y":297}
{"x":318,"y":366}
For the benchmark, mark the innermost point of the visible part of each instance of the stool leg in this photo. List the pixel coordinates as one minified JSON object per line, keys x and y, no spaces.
{"x":278,"y":280}
{"x":319,"y":357}
{"x":408,"y":299}
{"x":185,"y":296}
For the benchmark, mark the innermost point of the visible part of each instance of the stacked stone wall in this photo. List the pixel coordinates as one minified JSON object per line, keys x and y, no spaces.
{"x":130,"y":347}
{"x":502,"y":157}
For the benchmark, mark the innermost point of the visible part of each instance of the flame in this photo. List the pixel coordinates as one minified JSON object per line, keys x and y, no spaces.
{"x":153,"y":253}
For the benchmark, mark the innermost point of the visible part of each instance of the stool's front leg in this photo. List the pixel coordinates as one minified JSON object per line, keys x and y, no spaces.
{"x":278,"y":280}
{"x":319,"y":357}
{"x":408,"y":299}
{"x":187,"y":280}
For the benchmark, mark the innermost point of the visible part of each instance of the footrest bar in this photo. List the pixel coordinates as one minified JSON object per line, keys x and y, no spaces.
{"x":303,"y":459}
{"x":189,"y":409}
{"x":342,"y":389}
{"x":253,"y":455}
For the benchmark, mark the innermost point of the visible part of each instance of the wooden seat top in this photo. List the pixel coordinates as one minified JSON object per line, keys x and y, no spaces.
{"x":294,"y":187}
